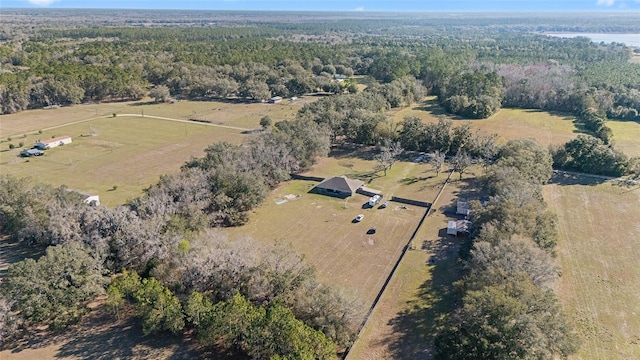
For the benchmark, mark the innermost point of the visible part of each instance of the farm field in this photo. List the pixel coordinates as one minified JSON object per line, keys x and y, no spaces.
{"x":127,"y":152}
{"x":599,"y":247}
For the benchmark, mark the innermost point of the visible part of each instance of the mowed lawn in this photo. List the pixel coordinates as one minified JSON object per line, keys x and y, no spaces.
{"x":599,"y":248}
{"x":129,"y":153}
{"x":626,"y":136}
{"x":321,"y":228}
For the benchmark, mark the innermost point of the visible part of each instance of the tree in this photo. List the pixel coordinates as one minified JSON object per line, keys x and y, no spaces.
{"x":515,"y":256}
{"x":437,"y":161}
{"x":55,"y":289}
{"x":505,"y":316}
{"x":9,"y":321}
{"x":461,"y":162}
{"x":261,"y":333}
{"x":532,"y":161}
{"x":160,"y":93}
{"x":388,"y":156}
{"x":412,"y":133}
{"x":265,"y":122}
{"x":158,"y":307}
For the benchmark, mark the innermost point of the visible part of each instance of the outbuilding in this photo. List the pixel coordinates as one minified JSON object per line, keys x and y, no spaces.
{"x":51,"y":143}
{"x":452,"y":228}
{"x":31,"y":152}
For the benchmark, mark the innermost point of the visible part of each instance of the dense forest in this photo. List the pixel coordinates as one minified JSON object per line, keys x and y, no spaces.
{"x":157,"y":255}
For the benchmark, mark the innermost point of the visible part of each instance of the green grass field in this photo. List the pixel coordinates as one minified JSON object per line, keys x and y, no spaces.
{"x":547,"y":128}
{"x":225,"y":113}
{"x":598,"y":249}
{"x":626,"y":136}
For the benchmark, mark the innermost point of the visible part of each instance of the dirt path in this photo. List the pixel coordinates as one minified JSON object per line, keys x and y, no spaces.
{"x":184,"y":121}
{"x":138,"y":115}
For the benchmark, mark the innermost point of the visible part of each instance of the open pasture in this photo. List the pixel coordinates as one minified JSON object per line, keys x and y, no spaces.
{"x":238,"y":114}
{"x":626,"y":136}
{"x":547,"y":128}
{"x":322,"y":227}
{"x":599,"y":248}
{"x":127,"y":152}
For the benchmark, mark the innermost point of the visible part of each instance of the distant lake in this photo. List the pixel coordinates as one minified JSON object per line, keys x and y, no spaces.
{"x":627,"y":39}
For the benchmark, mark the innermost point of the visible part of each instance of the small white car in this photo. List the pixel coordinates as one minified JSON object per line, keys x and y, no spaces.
{"x":359,"y":218}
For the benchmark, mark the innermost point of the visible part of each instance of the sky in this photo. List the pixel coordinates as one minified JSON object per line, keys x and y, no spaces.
{"x":340,"y":5}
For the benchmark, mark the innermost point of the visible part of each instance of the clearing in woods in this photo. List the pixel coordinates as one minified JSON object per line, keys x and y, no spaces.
{"x":599,"y":248}
{"x":547,"y":128}
{"x":321,"y":227}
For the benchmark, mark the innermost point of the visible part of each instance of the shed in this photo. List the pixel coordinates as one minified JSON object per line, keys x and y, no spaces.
{"x":275,"y":99}
{"x":452,"y":228}
{"x":31,"y":152}
{"x":93,"y":200}
{"x":458,"y":227}
{"x":338,"y":186}
{"x":51,"y":143}
{"x":463,"y":208}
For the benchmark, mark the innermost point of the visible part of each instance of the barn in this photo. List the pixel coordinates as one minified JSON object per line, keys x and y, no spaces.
{"x":338,"y":186}
{"x":51,"y":143}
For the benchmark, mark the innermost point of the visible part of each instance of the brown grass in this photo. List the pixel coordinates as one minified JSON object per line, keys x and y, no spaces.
{"x":599,"y":248}
{"x":128,"y":152}
{"x":419,"y":295}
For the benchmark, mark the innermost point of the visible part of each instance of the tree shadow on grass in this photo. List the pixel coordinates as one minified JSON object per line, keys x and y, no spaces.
{"x":414,"y":179}
{"x":100,"y":336}
{"x":432,"y":106}
{"x":347,"y":150}
{"x":366,"y":176}
{"x":571,"y":178}
{"x":417,"y":326}
{"x":13,"y":251}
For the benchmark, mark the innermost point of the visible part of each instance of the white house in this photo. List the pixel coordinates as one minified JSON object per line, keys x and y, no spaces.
{"x":51,"y":143}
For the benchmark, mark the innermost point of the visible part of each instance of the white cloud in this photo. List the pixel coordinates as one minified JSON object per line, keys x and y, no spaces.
{"x":359,"y":8}
{"x":41,"y":2}
{"x":606,"y":2}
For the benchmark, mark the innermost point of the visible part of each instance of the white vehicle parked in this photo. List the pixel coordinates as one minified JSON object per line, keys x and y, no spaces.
{"x":374,"y":200}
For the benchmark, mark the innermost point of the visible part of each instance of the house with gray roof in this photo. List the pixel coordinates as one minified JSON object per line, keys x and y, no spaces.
{"x":338,"y":186}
